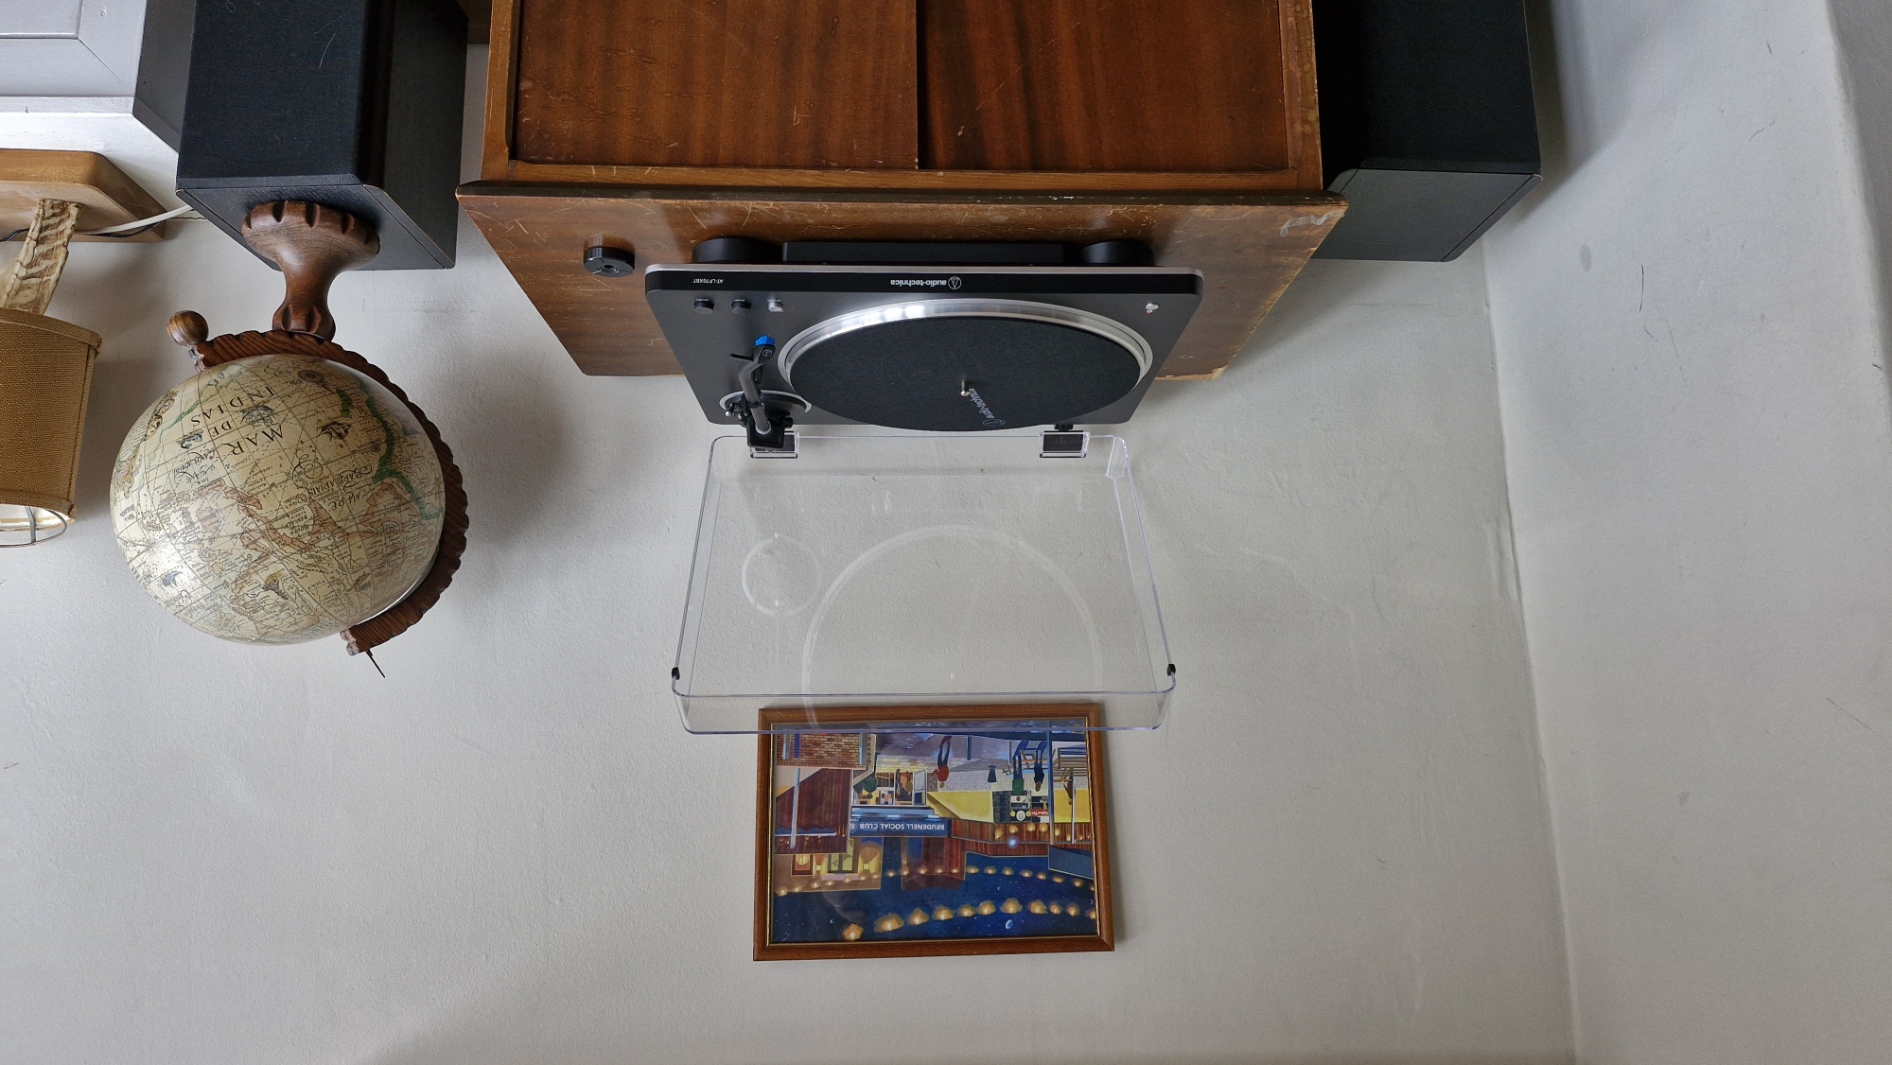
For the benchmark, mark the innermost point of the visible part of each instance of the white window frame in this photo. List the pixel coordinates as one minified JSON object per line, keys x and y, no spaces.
{"x":70,"y":47}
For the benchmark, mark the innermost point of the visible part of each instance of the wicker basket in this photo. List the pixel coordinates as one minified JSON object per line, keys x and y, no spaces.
{"x":45,"y":378}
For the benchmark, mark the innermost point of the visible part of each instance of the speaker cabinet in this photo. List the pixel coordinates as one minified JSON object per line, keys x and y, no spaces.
{"x":354,"y":104}
{"x":1427,"y":122}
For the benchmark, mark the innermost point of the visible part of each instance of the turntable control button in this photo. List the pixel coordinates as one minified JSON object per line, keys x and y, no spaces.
{"x":775,"y":304}
{"x":739,"y":304}
{"x":704,"y":305}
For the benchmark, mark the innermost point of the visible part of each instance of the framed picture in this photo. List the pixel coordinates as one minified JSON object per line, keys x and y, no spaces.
{"x":974,"y":830}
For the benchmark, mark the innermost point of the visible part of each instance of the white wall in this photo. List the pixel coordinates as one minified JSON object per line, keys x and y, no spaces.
{"x":1696,"y":423}
{"x":1337,"y":850}
{"x":509,"y":850}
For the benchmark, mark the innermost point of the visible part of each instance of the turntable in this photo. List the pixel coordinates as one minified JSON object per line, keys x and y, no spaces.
{"x":933,"y":337}
{"x":995,"y":555}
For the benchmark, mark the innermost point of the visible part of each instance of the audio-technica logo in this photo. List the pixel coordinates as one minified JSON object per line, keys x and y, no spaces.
{"x":927,"y":282}
{"x":992,"y":421}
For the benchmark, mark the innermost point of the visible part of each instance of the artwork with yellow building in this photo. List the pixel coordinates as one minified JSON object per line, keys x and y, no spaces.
{"x":980,"y":840}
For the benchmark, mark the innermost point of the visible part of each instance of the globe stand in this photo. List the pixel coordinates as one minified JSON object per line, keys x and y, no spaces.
{"x":313,"y":244}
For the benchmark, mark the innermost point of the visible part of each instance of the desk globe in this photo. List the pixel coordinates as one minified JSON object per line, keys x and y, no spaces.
{"x":289,"y":491}
{"x":277,"y":499}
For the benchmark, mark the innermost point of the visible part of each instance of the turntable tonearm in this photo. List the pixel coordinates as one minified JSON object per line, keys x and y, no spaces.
{"x":940,"y":337}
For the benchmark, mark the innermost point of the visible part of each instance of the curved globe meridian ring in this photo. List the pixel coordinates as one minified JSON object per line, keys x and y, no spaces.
{"x":278,"y":499}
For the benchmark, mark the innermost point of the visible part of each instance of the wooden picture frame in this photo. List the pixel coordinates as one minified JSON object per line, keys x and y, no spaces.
{"x":1011,"y":879}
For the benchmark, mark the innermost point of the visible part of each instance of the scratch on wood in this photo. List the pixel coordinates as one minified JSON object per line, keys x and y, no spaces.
{"x":1308,"y":220}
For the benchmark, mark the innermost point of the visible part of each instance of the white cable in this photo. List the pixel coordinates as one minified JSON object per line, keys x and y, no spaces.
{"x":139,"y":224}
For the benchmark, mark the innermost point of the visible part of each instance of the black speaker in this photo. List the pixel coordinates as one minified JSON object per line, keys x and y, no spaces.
{"x":355,"y":104}
{"x":1427,"y":122}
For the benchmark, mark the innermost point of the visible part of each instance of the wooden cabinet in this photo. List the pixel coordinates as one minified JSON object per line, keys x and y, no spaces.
{"x":652,"y":125}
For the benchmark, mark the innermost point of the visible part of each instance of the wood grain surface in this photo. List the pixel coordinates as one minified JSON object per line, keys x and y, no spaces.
{"x":637,"y":124}
{"x":105,"y":195}
{"x":784,"y":83}
{"x":311,"y":244}
{"x":998,"y":181}
{"x":1183,"y":85}
{"x":581,"y":45}
{"x":1248,"y":249}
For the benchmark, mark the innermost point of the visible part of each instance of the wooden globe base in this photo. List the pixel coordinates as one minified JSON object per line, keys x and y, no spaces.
{"x":189,"y":329}
{"x":313,"y":244}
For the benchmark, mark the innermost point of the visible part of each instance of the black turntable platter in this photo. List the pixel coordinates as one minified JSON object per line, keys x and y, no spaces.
{"x":965,"y":365}
{"x":782,"y":346}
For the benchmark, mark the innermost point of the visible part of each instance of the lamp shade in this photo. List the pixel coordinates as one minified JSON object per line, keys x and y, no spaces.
{"x":45,"y":378}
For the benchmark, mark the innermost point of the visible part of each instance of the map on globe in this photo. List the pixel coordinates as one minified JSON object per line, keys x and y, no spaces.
{"x":278,"y":499}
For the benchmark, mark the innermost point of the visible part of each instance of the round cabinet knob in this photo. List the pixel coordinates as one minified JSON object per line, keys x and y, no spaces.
{"x":609,"y":262}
